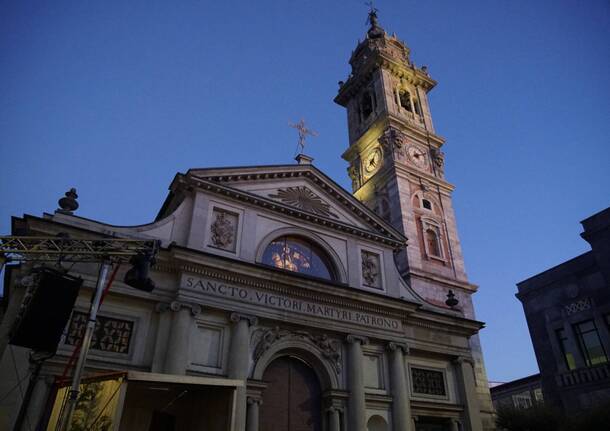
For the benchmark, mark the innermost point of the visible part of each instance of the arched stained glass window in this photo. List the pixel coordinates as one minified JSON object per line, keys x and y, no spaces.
{"x":298,"y":254}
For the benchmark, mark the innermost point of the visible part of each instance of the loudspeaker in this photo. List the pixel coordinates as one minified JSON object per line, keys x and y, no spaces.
{"x":45,"y":310}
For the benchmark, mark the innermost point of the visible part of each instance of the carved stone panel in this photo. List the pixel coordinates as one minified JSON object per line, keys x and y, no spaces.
{"x":110,"y":335}
{"x":223,"y":229}
{"x":371,"y":269}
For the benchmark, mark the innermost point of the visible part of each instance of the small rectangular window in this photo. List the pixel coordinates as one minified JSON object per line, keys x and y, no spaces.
{"x":428,"y":382}
{"x":590,"y":344}
{"x":565,"y":350}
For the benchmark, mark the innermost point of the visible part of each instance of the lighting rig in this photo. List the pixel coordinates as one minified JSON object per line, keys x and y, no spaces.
{"x":51,"y":293}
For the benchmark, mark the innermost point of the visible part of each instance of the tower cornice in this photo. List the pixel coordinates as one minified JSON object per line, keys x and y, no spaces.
{"x":385,"y":59}
{"x":373,"y":132}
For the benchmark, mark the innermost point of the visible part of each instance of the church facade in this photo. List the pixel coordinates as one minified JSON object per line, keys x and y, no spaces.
{"x":337,"y":311}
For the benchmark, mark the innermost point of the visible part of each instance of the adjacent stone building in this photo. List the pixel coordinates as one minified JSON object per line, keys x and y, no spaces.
{"x":521,"y":393}
{"x":338,"y":311}
{"x":568,"y":314}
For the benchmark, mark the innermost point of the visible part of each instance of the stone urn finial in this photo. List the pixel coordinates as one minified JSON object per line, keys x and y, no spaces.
{"x":68,"y":204}
{"x":451,"y":301}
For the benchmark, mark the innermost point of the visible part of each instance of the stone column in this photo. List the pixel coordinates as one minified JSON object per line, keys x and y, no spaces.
{"x":176,"y":358}
{"x":163,"y":336}
{"x":252,"y":414}
{"x":36,"y":408}
{"x":334,"y":422}
{"x":356,"y":415}
{"x":468,"y":392}
{"x":401,"y":404}
{"x":454,"y":425}
{"x":239,"y":361}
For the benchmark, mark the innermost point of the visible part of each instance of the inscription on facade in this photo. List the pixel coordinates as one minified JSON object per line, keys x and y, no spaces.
{"x":286,"y":303}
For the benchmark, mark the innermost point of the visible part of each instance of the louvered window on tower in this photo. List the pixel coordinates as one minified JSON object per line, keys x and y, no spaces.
{"x":367,"y":105}
{"x":405,"y":100}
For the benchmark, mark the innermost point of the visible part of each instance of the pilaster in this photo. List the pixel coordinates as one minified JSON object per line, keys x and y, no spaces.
{"x":465,"y":371}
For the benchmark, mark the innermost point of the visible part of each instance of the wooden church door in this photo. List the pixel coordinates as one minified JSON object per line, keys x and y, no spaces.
{"x":292,"y":400}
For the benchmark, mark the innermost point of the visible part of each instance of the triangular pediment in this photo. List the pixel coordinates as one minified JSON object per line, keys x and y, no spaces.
{"x":303,"y":188}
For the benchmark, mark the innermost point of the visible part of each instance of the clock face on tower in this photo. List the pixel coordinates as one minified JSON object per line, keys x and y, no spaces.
{"x":418,"y":156}
{"x":372,"y":161}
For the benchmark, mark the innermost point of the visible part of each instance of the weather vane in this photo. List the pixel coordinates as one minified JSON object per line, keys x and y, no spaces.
{"x":372,"y":12}
{"x":303,"y":132}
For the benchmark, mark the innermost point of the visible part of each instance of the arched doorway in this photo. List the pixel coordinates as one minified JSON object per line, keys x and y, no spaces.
{"x":292,"y":400}
{"x":376,"y":423}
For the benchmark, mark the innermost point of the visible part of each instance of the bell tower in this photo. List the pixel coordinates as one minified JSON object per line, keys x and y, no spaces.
{"x":396,"y":163}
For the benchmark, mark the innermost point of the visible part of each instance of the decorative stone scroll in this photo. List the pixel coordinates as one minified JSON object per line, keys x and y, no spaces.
{"x":578,"y":306}
{"x":393,"y":346}
{"x":303,"y":198}
{"x":354,"y":173}
{"x":177,"y":306}
{"x":439,"y":161}
{"x":394,"y":140}
{"x":329,"y":348}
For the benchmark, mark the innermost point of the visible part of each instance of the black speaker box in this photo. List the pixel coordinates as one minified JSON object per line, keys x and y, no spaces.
{"x":45,"y":311}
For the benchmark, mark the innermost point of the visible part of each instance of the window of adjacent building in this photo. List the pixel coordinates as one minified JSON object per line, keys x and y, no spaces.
{"x":405,"y":100}
{"x":298,"y":254}
{"x":589,"y":343}
{"x":568,"y":356}
{"x":522,"y":400}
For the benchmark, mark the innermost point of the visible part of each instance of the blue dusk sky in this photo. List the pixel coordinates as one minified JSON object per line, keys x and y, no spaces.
{"x":115,"y":97}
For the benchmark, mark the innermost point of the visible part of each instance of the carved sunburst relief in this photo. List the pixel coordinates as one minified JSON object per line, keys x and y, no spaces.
{"x":303,"y":198}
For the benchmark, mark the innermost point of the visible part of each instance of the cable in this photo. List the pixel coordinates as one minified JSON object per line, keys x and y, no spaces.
{"x":14,"y":387}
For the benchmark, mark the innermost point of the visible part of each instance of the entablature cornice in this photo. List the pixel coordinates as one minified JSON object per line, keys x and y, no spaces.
{"x":413,"y":175}
{"x":436,"y":408}
{"x":450,"y":283}
{"x":445,"y":323}
{"x":182,"y":260}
